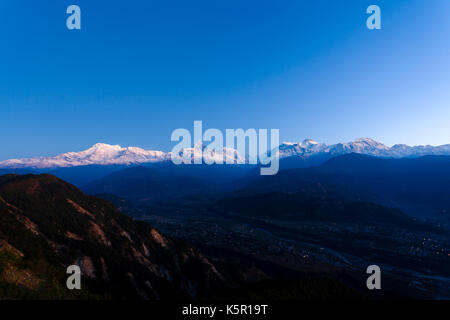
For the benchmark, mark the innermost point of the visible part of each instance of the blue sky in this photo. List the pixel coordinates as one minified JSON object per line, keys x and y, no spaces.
{"x":140,"y":69}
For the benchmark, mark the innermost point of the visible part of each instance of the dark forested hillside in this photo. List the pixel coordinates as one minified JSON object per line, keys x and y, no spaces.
{"x":419,"y":186}
{"x":47,"y":225}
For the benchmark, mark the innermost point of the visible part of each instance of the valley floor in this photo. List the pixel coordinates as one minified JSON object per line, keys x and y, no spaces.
{"x":414,"y":264}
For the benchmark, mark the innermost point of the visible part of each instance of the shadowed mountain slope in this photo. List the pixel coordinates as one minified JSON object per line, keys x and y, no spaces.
{"x":47,"y":224}
{"x":420,"y":186}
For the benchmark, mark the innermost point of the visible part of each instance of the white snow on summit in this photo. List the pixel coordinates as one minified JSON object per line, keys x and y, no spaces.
{"x":367,"y":146}
{"x":208,"y":155}
{"x":100,"y":154}
{"x":105,"y":154}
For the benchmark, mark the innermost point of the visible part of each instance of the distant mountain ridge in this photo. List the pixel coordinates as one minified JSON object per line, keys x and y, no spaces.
{"x":366,"y":146}
{"x":105,"y":154}
{"x":418,"y":185}
{"x":99,"y":154}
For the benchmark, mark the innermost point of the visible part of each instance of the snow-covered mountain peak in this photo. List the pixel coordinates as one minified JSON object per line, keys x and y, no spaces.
{"x":106,"y":154}
{"x":369,"y":142}
{"x":100,"y":154}
{"x":287,"y":143}
{"x":309,"y":147}
{"x":104,"y":146}
{"x":99,"y":149}
{"x":308,"y":144}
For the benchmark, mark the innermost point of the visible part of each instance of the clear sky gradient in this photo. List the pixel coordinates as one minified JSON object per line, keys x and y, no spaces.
{"x":140,"y":69}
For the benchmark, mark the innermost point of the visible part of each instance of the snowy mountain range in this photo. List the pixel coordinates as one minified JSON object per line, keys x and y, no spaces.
{"x":366,"y":146}
{"x":105,"y":154}
{"x":99,"y":154}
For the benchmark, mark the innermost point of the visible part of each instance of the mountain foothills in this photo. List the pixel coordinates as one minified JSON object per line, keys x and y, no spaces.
{"x":419,"y":186}
{"x":221,"y":231}
{"x":47,"y":224}
{"x":104,"y":154}
{"x":142,"y":184}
